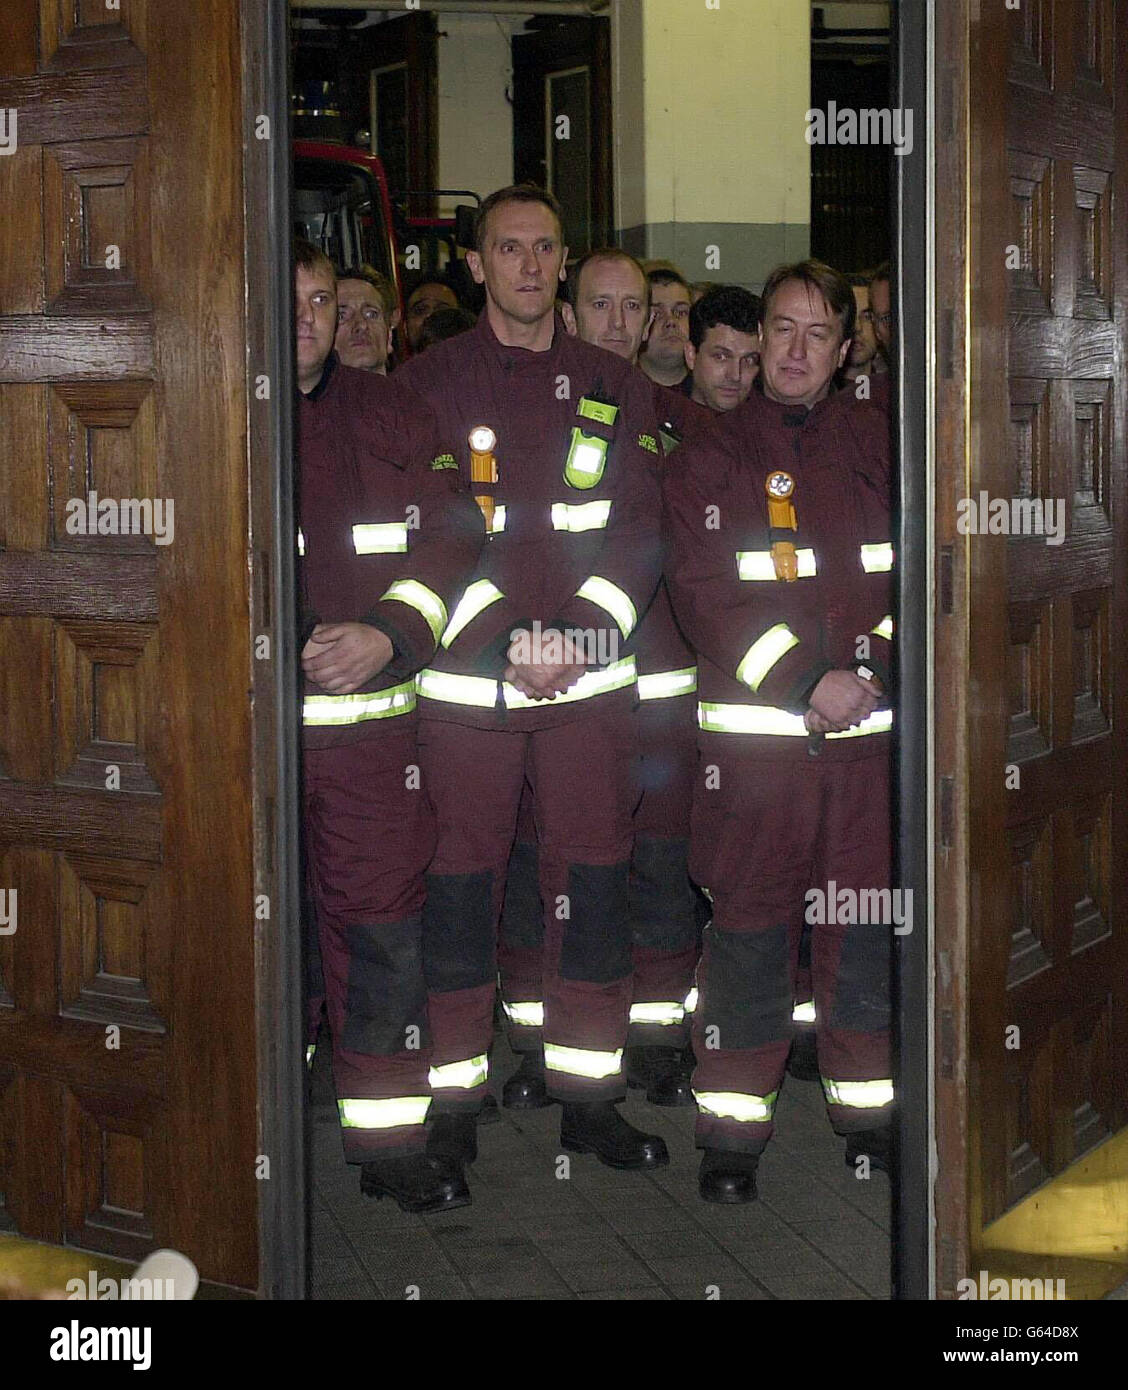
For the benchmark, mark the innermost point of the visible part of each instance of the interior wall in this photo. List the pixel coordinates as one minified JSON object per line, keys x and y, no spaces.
{"x":475,"y":115}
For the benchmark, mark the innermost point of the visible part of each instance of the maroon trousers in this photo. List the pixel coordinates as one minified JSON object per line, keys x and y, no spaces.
{"x":369,"y":834}
{"x":583,"y":782}
{"x":765,"y":834}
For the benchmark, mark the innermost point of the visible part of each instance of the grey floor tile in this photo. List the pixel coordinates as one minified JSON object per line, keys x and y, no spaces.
{"x":612,"y":1275}
{"x":647,"y":1295}
{"x":727,"y":1291}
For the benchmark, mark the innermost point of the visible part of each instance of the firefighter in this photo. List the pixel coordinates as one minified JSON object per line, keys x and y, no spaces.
{"x":779,"y":573}
{"x":535,"y":682}
{"x":608,"y":306}
{"x":385,"y":541}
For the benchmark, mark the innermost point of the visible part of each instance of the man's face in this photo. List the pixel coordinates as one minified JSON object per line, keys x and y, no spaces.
{"x":363,"y":328}
{"x":422,"y":303}
{"x":611,"y":309}
{"x":724,"y":367}
{"x":801,"y":345}
{"x":879,"y":302}
{"x":863,"y":347}
{"x":669,"y":331}
{"x":521,"y":262}
{"x":315,"y":314}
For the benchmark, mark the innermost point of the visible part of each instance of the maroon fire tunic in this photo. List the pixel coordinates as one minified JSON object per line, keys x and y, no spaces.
{"x":764,"y":644}
{"x":385,"y":536}
{"x":568,"y":549}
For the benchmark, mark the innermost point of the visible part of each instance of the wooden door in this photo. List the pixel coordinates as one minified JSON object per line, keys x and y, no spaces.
{"x":130,"y":796}
{"x":1033,"y":671}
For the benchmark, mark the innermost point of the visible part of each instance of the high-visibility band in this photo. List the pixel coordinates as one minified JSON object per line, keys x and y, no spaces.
{"x":311,"y":1048}
{"x":690,"y":1004}
{"x":528,"y":1014}
{"x":767,"y":719}
{"x":763,"y":654}
{"x":884,"y":628}
{"x":481,"y":691}
{"x":757,"y":564}
{"x":662,"y":685}
{"x":597,"y":410}
{"x":328,"y":711}
{"x":580,"y":1061}
{"x":383,"y":1114}
{"x":734,"y":1105}
{"x":380,"y":538}
{"x":301,"y":542}
{"x":580,"y":516}
{"x":858,"y":1095}
{"x":877,"y":559}
{"x":614,"y":600}
{"x":463,"y":1075}
{"x":661,"y":1013}
{"x":804,"y":1013}
{"x":496,"y":523}
{"x":475,"y":600}
{"x":425,"y":601}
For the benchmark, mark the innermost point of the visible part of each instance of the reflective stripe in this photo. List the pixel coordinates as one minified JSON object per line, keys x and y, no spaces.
{"x":380,"y":538}
{"x":463,"y":1075}
{"x":767,"y":719}
{"x":763,"y":654}
{"x":331,"y":710}
{"x":757,"y":564}
{"x":690,"y":1004}
{"x":301,"y":542}
{"x":383,"y":1114}
{"x":804,"y":1013}
{"x":311,"y":1048}
{"x":425,"y":602}
{"x":884,"y":628}
{"x":610,"y":597}
{"x":475,"y":600}
{"x":497,"y":522}
{"x":580,"y":516}
{"x":858,"y":1095}
{"x":661,"y":685}
{"x":525,"y":1015}
{"x":733,"y":1105}
{"x":658,"y":1013}
{"x":481,"y":691}
{"x":877,"y":559}
{"x":579,"y":1061}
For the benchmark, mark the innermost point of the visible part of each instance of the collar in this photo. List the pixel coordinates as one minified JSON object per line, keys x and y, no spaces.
{"x":795,"y":416}
{"x":519,"y":356}
{"x":326,"y":376}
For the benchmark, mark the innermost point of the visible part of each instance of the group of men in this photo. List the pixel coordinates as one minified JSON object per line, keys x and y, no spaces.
{"x":597,"y":653}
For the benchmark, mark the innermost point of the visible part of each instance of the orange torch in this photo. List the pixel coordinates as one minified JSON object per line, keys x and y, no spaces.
{"x":781,"y":517}
{"x":483,"y":467}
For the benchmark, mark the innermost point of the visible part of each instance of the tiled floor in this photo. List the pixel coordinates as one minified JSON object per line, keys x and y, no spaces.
{"x":546,"y":1225}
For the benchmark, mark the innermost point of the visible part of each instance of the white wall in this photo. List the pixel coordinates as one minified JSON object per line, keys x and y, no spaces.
{"x":475,"y":118}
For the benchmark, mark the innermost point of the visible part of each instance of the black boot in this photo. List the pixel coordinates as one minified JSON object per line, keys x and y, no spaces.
{"x":802,"y":1060}
{"x":727,"y":1177}
{"x":664,"y":1072}
{"x":597,"y":1127}
{"x":418,"y":1182}
{"x":527,"y":1089}
{"x":875,"y":1144}
{"x":489,"y":1113}
{"x":454,"y":1135}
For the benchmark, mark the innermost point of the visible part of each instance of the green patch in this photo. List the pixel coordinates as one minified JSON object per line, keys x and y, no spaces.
{"x":444,"y":461}
{"x":647,"y":441}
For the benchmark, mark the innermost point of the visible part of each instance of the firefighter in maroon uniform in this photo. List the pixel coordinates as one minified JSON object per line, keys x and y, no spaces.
{"x":386,"y":544}
{"x":535,"y":681}
{"x":608,"y":306}
{"x":779,"y":572}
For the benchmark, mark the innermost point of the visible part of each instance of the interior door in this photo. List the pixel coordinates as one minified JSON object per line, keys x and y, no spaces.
{"x":132,"y":803}
{"x":1034,"y":746}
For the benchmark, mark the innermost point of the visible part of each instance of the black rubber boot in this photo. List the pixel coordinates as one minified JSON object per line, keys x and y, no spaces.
{"x":597,"y":1127}
{"x":875,"y":1144}
{"x":663,"y":1072}
{"x":527,"y":1089}
{"x":453,"y":1135}
{"x":727,"y":1177}
{"x":417,"y":1182}
{"x":802,"y":1060}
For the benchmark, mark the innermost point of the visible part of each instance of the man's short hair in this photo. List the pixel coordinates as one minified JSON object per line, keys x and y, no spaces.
{"x":383,"y":286}
{"x":443,"y":324}
{"x":515,"y":193}
{"x":602,"y":253}
{"x":729,"y":305}
{"x":831,"y":286}
{"x":663,"y":273}
{"x":311,"y":258}
{"x":883,"y":272}
{"x":438,"y":278}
